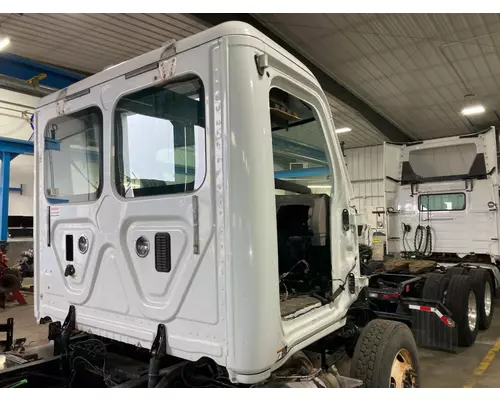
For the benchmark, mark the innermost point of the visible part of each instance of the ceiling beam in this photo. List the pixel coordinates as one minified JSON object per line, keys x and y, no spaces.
{"x":330,"y":85}
{"x":25,"y":69}
{"x":21,"y":86}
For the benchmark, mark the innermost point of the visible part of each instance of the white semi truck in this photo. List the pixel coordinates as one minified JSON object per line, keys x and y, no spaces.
{"x":167,"y":227}
{"x":442,"y":199}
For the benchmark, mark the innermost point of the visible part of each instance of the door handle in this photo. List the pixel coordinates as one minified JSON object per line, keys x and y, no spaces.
{"x":345,"y":219}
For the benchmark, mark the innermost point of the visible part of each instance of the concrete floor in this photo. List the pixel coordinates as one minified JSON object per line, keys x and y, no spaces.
{"x":466,"y":367}
{"x":439,"y":369}
{"x":25,"y":325}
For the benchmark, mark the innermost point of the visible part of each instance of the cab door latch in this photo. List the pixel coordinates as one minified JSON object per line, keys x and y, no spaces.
{"x":69,"y":271}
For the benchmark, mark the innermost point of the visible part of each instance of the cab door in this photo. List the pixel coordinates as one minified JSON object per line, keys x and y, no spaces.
{"x":310,"y":141}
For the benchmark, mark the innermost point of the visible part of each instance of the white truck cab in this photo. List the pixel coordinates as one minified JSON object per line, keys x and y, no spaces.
{"x":173,"y":202}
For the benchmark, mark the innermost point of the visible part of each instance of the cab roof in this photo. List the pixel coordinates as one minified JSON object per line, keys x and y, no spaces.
{"x":206,"y":36}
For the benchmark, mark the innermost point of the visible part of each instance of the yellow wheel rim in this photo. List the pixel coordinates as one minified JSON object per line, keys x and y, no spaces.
{"x":402,"y":372}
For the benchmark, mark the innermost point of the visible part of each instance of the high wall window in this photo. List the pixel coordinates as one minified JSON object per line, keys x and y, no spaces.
{"x":160,"y":140}
{"x":74,"y":172}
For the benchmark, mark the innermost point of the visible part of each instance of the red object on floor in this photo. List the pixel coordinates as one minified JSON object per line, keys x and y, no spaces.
{"x":17,"y":296}
{"x":14,"y":296}
{"x":3,"y":258}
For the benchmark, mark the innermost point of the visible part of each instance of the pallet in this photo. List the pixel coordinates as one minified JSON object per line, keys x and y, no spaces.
{"x":412,"y":266}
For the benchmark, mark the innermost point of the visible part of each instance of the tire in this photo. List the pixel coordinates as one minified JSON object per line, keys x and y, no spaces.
{"x":10,"y":280}
{"x":457,"y":301}
{"x":483,"y":282}
{"x":456,"y":271}
{"x":381,"y":344}
{"x":435,"y":286}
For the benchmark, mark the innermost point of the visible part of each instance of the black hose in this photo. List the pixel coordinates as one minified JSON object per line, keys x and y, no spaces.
{"x":154,"y":369}
{"x":421,"y":248}
{"x":428,"y":241}
{"x":418,"y":230}
{"x":133,"y":383}
{"x":170,"y":373}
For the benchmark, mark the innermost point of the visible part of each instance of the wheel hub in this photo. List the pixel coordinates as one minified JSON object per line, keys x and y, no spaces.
{"x":403,"y":374}
{"x":487,"y":299}
{"x":472,"y":311}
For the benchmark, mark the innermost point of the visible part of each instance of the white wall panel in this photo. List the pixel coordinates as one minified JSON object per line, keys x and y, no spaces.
{"x":365,"y":171}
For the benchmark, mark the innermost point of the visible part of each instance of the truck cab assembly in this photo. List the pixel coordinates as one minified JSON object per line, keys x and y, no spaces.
{"x":172,"y":232}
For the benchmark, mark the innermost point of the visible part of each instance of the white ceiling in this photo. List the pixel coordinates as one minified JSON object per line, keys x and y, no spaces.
{"x":92,"y":42}
{"x":413,"y":68}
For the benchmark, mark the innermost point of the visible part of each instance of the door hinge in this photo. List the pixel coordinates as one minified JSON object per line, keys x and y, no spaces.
{"x":62,"y":107}
{"x":166,"y":68}
{"x":48,"y":226}
{"x":196,"y":227}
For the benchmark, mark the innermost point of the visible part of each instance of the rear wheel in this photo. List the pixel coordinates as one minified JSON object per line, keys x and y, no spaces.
{"x":481,"y":280}
{"x":435,"y":286}
{"x":456,"y":271}
{"x":461,"y":299}
{"x":386,"y":356}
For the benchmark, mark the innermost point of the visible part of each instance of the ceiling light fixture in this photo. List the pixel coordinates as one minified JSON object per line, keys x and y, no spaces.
{"x":343,"y":130}
{"x":472,"y":106}
{"x":4,"y":43}
{"x":473,"y":110}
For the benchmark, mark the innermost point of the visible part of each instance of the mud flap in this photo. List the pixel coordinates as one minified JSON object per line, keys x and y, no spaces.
{"x":433,"y":328}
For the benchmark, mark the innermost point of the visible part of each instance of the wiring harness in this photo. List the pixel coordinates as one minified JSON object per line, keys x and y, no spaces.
{"x":422,"y":241}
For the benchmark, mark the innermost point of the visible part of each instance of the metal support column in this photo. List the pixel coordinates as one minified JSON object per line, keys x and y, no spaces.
{"x":9,"y":150}
{"x":4,"y":196}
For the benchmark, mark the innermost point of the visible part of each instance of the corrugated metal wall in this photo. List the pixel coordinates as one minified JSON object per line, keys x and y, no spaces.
{"x":366,"y":173}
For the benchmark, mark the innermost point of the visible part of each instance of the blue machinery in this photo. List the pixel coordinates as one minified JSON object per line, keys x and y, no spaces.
{"x":22,"y":68}
{"x":9,"y":150}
